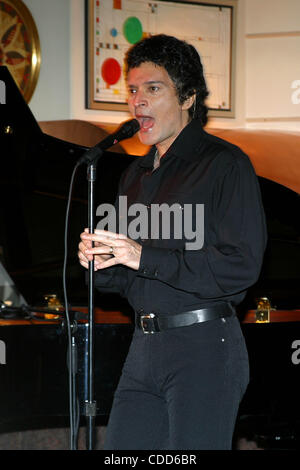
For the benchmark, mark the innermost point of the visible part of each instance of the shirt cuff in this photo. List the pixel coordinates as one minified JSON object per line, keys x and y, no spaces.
{"x":151,"y":262}
{"x":109,"y":280}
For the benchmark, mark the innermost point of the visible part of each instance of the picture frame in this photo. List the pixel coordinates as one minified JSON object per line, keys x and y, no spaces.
{"x":115,"y":25}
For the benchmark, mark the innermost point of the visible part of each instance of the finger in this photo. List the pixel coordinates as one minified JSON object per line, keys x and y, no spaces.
{"x":88,"y":245}
{"x":86,"y":265}
{"x":99,"y":234}
{"x":103,"y":236}
{"x":84,"y":246}
{"x":111,"y":243}
{"x":106,"y":233}
{"x":106,"y":264}
{"x":86,"y":252}
{"x":103,"y":250}
{"x":97,"y":240}
{"x":84,"y":258}
{"x":83,"y":263}
{"x":85,"y":241}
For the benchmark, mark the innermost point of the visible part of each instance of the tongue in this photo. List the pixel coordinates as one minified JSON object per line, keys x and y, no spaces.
{"x":147,"y":122}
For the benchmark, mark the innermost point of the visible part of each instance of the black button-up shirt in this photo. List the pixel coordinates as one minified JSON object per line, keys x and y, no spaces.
{"x":198,"y":169}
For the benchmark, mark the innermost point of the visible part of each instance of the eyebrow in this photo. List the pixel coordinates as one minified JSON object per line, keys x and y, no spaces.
{"x":149,"y":82}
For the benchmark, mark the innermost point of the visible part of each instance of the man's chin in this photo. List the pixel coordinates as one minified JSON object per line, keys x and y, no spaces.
{"x":147,"y":138}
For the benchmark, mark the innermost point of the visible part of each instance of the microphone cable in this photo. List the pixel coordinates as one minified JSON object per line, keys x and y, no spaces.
{"x":72,"y":349}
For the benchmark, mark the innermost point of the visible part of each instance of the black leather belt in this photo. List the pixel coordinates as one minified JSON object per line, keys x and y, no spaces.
{"x":153,"y":323}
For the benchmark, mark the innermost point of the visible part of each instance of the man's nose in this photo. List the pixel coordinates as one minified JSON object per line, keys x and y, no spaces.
{"x":140,"y":99}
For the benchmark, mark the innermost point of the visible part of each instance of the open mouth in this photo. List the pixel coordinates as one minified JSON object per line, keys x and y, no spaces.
{"x":146,"y":123}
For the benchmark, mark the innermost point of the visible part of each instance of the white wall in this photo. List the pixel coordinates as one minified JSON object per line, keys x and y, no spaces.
{"x":51,"y":98}
{"x":267,"y":64}
{"x":272,"y":63}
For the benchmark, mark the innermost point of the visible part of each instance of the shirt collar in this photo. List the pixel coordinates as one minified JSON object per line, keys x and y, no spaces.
{"x":184,"y":146}
{"x":148,"y":160}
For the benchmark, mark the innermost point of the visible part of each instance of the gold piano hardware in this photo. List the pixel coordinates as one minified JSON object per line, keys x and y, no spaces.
{"x":8,"y":130}
{"x":53,"y":303}
{"x":262,"y":314}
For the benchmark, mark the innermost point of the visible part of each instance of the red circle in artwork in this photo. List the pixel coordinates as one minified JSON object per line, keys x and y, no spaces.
{"x":111,"y":71}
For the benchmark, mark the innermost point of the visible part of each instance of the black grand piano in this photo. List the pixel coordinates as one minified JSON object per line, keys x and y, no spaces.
{"x":35,"y":175}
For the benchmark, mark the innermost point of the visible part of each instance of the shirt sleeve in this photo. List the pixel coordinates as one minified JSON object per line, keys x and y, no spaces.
{"x":112,"y":280}
{"x":231,"y":263}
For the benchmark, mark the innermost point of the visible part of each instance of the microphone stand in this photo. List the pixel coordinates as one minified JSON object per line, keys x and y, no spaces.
{"x":92,"y":156}
{"x":90,"y":403}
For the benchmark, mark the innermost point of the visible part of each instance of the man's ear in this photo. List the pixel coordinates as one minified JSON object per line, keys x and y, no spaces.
{"x":188,"y":103}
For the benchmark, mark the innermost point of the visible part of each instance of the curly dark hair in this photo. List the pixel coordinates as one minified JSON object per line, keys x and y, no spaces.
{"x":183,"y":64}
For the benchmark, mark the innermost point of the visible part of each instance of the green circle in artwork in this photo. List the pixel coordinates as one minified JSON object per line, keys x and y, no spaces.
{"x":133,"y":30}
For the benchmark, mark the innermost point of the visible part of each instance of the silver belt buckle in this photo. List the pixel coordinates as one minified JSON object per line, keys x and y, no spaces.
{"x":145,"y":325}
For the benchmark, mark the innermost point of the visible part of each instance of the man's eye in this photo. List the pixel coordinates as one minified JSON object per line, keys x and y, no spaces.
{"x":154,"y":88}
{"x":132,"y":91}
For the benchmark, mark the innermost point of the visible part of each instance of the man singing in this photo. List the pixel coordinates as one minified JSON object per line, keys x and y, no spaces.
{"x":187,"y":367}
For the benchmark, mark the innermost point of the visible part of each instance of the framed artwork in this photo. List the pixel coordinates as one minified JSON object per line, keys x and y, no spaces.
{"x":19,"y":45}
{"x":112,"y":26}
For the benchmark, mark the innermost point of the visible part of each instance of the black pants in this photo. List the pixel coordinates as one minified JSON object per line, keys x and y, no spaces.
{"x":180,"y":389}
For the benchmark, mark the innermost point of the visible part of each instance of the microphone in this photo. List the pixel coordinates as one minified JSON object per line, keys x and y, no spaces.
{"x":127,"y":130}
